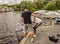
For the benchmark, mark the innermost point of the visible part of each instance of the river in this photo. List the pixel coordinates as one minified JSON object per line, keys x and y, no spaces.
{"x":9,"y":26}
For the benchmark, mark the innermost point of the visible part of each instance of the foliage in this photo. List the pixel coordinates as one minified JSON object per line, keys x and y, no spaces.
{"x":52,"y":5}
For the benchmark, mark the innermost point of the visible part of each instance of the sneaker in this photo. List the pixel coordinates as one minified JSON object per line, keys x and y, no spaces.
{"x":34,"y":35}
{"x":32,"y":40}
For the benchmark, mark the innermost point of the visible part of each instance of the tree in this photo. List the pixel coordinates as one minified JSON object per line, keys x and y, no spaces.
{"x":50,"y":6}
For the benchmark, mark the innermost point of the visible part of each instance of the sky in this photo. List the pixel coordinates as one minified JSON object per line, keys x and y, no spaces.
{"x":10,"y":1}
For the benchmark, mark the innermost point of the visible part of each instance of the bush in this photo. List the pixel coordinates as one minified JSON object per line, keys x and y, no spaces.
{"x":53,"y":5}
{"x":58,"y":4}
{"x":50,"y":6}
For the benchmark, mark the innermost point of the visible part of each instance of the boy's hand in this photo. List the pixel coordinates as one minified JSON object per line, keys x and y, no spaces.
{"x":34,"y":22}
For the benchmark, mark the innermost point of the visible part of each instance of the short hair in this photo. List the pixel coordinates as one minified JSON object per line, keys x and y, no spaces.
{"x":26,"y":8}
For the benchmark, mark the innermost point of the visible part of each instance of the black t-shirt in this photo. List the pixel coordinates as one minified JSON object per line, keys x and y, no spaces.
{"x":27,"y":17}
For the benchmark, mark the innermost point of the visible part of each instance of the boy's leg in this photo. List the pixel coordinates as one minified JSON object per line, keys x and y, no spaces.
{"x":36,"y":26}
{"x":34,"y":30}
{"x":31,"y":30}
{"x":25,"y":34}
{"x":25,"y":30}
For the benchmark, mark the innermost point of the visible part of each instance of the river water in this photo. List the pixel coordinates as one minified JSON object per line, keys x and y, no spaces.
{"x":9,"y":27}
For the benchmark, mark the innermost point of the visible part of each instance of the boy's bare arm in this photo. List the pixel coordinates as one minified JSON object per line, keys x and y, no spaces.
{"x":34,"y":17}
{"x":22,"y":19}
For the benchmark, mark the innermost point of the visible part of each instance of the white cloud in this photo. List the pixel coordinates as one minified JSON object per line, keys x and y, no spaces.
{"x":9,"y":1}
{"x":0,"y":1}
